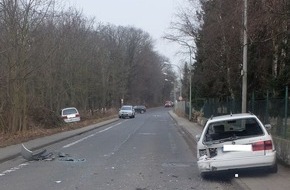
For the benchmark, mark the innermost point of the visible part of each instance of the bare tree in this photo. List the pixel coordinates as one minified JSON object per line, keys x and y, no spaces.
{"x":19,"y":20}
{"x":51,"y":58}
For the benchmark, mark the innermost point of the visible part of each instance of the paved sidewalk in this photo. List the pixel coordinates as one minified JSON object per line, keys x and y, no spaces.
{"x":13,"y":151}
{"x":260,"y":181}
{"x":192,"y":128}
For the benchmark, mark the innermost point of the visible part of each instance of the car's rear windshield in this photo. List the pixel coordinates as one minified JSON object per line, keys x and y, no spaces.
{"x":69,"y":111}
{"x":238,"y":128}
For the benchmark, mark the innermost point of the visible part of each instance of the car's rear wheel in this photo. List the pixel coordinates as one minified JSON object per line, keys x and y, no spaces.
{"x":274,"y":168}
{"x":205,"y":175}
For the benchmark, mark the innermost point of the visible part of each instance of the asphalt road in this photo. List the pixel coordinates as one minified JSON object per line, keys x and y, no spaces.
{"x":148,"y":152}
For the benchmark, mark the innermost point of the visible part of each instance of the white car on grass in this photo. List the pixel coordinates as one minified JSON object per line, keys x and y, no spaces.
{"x":70,"y":114}
{"x":233,"y":142}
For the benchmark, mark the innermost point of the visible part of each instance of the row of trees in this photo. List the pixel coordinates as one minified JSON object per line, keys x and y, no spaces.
{"x":51,"y":57}
{"x":215,"y":34}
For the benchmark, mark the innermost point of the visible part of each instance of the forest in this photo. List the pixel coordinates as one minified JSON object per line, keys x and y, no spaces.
{"x":215,"y":34}
{"x":53,"y":57}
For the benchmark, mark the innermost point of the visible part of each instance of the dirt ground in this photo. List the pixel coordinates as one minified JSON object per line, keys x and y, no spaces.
{"x":11,"y":139}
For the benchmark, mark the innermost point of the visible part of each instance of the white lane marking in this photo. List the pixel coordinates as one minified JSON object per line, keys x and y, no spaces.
{"x":147,"y":133}
{"x":82,"y":139}
{"x":13,"y":169}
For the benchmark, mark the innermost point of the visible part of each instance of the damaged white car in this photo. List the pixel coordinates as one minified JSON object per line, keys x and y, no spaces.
{"x":236,"y":141}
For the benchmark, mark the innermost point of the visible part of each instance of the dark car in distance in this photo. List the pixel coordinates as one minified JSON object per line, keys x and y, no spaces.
{"x":140,"y":109}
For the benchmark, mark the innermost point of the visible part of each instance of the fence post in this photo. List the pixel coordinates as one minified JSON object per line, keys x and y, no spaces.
{"x":253,"y":102}
{"x":267,"y":108}
{"x":286,"y":112}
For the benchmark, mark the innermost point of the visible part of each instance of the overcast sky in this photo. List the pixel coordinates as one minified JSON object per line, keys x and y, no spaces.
{"x":152,"y":16}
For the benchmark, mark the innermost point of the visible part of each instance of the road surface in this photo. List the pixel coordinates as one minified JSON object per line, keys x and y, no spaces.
{"x":147,"y":152}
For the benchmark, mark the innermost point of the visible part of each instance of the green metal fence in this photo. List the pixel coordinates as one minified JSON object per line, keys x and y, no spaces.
{"x":269,"y":110}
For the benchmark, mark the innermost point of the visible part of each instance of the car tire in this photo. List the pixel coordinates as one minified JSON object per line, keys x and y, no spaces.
{"x":274,"y":168}
{"x":205,"y":175}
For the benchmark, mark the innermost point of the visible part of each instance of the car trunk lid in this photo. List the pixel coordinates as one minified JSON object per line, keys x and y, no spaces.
{"x":239,"y":148}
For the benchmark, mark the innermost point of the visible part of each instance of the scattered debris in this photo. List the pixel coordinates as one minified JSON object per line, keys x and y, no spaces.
{"x":29,"y":155}
{"x":70,"y":159}
{"x":47,"y":156}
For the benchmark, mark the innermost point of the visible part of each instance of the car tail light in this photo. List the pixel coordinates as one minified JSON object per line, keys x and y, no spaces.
{"x":64,"y":117}
{"x":263,"y":145}
{"x":77,"y":115}
{"x":268,"y":145}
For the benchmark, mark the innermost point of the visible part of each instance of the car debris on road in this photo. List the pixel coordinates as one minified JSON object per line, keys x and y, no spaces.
{"x":47,"y":156}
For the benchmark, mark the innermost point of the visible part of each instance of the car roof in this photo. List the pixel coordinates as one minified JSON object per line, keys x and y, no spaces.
{"x":231,"y":117}
{"x":69,"y":108}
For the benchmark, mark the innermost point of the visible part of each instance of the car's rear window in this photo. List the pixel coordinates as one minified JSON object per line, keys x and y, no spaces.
{"x":238,"y":128}
{"x":69,"y":111}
